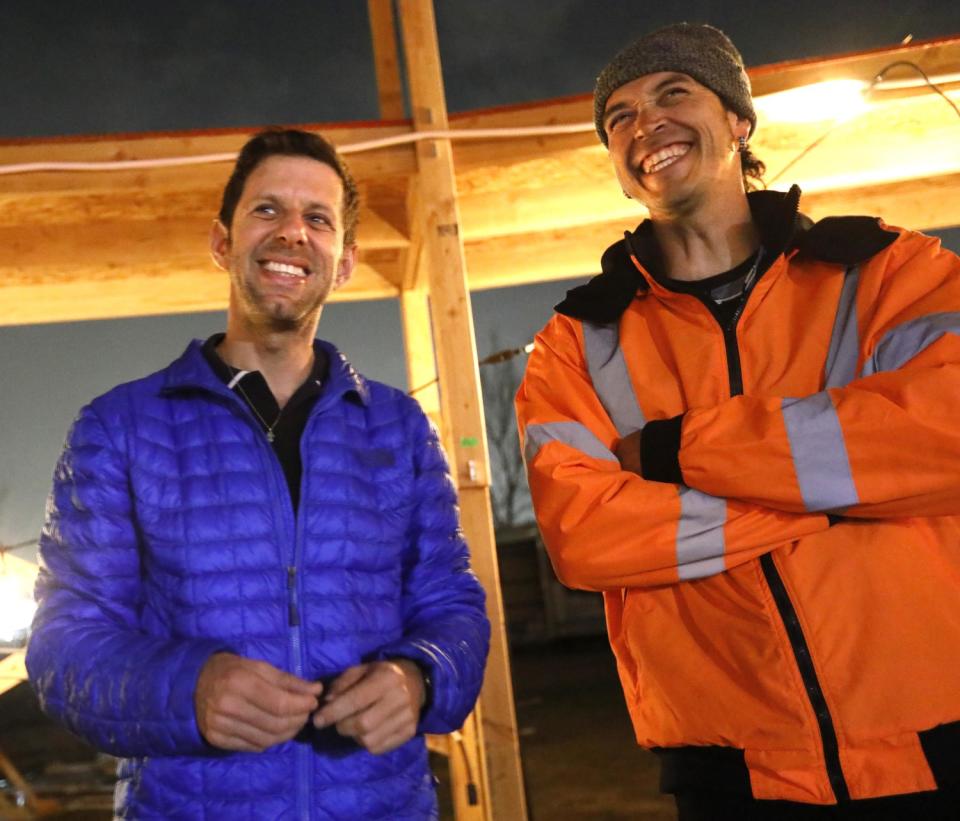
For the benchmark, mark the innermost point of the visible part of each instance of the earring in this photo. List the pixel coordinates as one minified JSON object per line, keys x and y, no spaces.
{"x":627,"y":195}
{"x":742,"y":144}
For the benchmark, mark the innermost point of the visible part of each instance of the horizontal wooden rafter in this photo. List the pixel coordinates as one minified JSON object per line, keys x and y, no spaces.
{"x":85,"y":245}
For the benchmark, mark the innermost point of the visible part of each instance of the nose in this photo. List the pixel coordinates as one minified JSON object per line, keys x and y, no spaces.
{"x":649,"y":119}
{"x":292,"y":229}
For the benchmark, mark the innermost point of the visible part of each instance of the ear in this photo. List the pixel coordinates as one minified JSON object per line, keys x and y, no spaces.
{"x":345,"y":267}
{"x":219,"y":244}
{"x":739,"y":126}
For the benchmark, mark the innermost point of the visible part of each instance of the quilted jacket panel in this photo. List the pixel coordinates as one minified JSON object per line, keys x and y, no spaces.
{"x":170,"y":535}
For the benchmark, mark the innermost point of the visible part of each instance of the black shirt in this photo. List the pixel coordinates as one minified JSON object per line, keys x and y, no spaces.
{"x":726,"y":292}
{"x":283,"y":427}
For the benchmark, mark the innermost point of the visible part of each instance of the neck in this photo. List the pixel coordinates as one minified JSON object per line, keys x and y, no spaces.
{"x":283,"y":357}
{"x":707,"y":240}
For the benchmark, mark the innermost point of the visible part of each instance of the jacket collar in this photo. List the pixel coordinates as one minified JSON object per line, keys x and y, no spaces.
{"x":191,"y":371}
{"x":783,"y":229}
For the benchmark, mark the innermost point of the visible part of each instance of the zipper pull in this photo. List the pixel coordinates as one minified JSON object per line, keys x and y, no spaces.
{"x":292,"y":613}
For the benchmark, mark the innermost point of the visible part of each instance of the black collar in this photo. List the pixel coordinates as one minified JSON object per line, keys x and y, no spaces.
{"x":842,"y":240}
{"x":225,"y":373}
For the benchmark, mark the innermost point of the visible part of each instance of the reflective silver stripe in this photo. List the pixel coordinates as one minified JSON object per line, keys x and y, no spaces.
{"x":570,"y":433}
{"x":701,"y":569}
{"x":611,"y":381}
{"x":841,"y":365}
{"x":700,"y":541}
{"x":905,"y":341}
{"x":819,"y":452}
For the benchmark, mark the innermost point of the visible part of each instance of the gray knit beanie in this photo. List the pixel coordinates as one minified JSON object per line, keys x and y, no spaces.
{"x":701,"y":51}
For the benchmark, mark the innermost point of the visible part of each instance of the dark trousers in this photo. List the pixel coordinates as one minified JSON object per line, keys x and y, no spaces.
{"x":941,"y":805}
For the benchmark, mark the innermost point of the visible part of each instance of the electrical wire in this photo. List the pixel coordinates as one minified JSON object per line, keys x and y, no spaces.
{"x":877,"y":80}
{"x":492,"y":359}
{"x":4,"y":549}
{"x":349,"y":148}
{"x":436,"y":134}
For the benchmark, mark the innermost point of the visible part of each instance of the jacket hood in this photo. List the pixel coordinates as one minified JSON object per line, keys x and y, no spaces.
{"x":783,"y":229}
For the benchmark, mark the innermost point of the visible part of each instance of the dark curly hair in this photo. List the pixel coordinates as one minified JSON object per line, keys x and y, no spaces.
{"x":753,"y":170}
{"x":293,"y":143}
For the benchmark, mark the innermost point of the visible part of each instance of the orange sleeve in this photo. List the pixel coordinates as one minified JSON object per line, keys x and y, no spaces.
{"x":886,"y":442}
{"x":606,"y":528}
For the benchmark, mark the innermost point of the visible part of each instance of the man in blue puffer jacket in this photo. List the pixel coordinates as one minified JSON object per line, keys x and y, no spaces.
{"x":254,"y":588}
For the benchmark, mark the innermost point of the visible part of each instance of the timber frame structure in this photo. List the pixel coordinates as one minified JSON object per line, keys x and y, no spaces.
{"x":444,"y":213}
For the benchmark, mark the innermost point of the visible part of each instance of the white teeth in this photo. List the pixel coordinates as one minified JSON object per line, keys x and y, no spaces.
{"x":664,"y":157}
{"x":283,"y":269}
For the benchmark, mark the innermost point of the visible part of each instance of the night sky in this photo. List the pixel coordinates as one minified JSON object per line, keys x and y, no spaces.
{"x":115,"y":66}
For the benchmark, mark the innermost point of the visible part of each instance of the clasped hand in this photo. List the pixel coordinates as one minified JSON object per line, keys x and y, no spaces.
{"x":627,"y":450}
{"x":249,"y":705}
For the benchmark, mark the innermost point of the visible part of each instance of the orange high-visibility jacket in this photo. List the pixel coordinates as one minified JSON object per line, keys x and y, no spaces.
{"x":782,"y":586}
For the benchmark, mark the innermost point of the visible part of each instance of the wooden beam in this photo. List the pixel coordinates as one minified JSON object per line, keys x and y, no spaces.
{"x":384,"y":35}
{"x":144,"y":268}
{"x":544,"y":256}
{"x":554,"y":203}
{"x":398,"y":160}
{"x":940,"y":56}
{"x":921,"y":204}
{"x":521,"y":200}
{"x":499,"y":779}
{"x":13,"y":671}
{"x":37,"y":807}
{"x":187,"y":211}
{"x":894,"y":140}
{"x":83,"y":292}
{"x":418,"y":344}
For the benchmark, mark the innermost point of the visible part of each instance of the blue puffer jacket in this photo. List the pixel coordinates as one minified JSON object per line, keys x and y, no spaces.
{"x":170,"y":536}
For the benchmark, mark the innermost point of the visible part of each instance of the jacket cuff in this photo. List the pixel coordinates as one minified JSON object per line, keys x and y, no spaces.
{"x":660,"y":450}
{"x":437,"y":710}
{"x":182,"y":727}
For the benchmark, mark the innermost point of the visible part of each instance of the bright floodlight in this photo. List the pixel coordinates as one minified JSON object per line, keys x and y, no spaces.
{"x":828,"y":100}
{"x":16,"y":609}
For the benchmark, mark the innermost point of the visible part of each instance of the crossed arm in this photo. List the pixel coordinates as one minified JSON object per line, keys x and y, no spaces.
{"x":751,"y":473}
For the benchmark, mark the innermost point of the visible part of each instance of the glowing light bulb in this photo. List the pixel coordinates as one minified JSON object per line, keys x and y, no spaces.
{"x":828,"y":100}
{"x":16,"y":608}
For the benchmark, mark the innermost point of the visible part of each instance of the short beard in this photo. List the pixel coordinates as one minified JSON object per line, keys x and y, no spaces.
{"x":272,"y":318}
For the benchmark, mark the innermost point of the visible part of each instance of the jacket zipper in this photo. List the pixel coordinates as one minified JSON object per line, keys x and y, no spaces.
{"x":788,"y":613}
{"x":798,"y":642}
{"x":284,"y":513}
{"x":295,"y":622}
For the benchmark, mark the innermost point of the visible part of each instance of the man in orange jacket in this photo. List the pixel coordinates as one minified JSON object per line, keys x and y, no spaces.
{"x":744,"y":432}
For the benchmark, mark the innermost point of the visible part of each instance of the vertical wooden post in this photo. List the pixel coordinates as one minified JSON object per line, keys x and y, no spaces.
{"x":386,"y":65}
{"x":496,"y":732}
{"x":463,"y":749}
{"x":421,"y":358}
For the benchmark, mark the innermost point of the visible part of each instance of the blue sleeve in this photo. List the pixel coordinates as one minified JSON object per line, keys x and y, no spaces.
{"x":93,"y":668}
{"x":446,"y":629}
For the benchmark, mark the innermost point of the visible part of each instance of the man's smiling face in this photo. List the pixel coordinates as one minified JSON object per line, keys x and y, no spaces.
{"x":284,"y":249}
{"x":671,"y":141}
